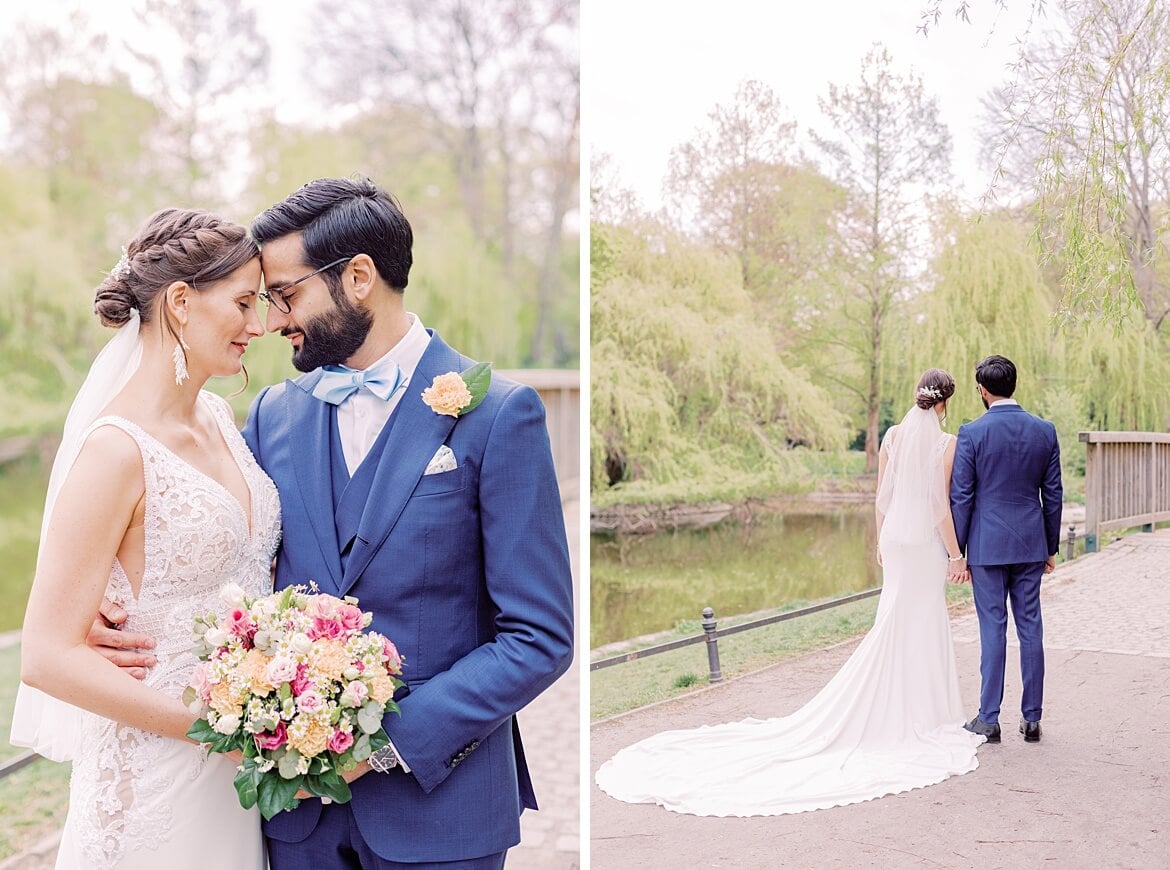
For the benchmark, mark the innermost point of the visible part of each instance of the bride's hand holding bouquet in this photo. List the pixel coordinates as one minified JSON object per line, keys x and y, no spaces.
{"x":293,"y":682}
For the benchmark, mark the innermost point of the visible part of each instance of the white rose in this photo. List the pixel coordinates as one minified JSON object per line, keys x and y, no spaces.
{"x":300,"y":644}
{"x":216,"y":636}
{"x":197,"y":707}
{"x":227,"y":724}
{"x":232,"y":595}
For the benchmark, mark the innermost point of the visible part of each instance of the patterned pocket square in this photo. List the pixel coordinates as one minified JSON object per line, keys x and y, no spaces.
{"x":443,"y":460}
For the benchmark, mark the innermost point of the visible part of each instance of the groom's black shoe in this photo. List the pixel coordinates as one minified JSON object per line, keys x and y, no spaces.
{"x":1030,"y":730}
{"x":990,"y":730}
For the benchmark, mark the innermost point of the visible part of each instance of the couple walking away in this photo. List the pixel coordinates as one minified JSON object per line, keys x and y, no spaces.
{"x":447,"y":526}
{"x":892,"y":719}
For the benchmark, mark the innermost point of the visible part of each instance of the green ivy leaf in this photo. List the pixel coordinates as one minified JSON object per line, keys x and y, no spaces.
{"x":201,"y":732}
{"x":276,"y":794}
{"x":477,"y":378}
{"x":247,"y":784}
{"x":329,"y":785}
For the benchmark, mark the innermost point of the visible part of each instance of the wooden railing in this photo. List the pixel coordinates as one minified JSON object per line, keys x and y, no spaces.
{"x":560,"y":390}
{"x":1127,"y":482}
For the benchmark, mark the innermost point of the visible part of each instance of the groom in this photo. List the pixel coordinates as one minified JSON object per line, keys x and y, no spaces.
{"x":1006,"y":499}
{"x":445,"y":524}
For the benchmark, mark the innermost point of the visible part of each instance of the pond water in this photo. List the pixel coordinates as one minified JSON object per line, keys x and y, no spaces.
{"x":22,"y":498}
{"x":641,"y":584}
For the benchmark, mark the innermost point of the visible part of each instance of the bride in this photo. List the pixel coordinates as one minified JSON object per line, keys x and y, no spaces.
{"x":154,"y":501}
{"x":891,"y":719}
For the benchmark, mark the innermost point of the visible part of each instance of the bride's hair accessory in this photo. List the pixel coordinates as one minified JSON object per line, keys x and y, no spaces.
{"x":934,"y":386}
{"x":122,"y":267}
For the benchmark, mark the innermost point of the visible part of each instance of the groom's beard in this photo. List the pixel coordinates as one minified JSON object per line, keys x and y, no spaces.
{"x":333,"y":337}
{"x":982,"y":398}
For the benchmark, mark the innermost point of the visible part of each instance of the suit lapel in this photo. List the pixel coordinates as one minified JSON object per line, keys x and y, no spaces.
{"x":417,"y":433}
{"x":309,"y":419}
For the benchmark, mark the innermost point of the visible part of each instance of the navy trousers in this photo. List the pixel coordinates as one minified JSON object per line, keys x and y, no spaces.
{"x":337,"y":844}
{"x":993,"y":585}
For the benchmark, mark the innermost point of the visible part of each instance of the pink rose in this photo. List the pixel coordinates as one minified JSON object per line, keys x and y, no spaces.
{"x":355,"y":694}
{"x":280,"y":670}
{"x":340,"y":741}
{"x":349,"y":617}
{"x":273,"y":740}
{"x":241,"y":624}
{"x":393,"y":659}
{"x":301,"y":681}
{"x":201,"y":681}
{"x":327,"y":628}
{"x":310,"y":701}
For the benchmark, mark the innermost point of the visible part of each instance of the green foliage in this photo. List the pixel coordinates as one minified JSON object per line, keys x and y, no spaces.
{"x":687,"y":384}
{"x":991,"y":295}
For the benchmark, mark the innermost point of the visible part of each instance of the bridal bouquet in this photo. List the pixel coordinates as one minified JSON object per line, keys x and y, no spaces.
{"x":293,"y":682}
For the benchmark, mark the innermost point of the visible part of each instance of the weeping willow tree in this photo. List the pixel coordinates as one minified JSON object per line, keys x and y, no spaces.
{"x":689,"y":397}
{"x":989,"y":296}
{"x":992,"y":295}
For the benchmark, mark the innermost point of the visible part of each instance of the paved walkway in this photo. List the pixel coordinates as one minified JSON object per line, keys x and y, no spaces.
{"x":1094,"y":793}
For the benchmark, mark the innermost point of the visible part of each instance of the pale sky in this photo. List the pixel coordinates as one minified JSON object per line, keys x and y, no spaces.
{"x":655,"y":68}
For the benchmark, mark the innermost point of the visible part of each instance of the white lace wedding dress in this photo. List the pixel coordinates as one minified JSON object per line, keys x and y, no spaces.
{"x":890,"y":720}
{"x":138,"y":801}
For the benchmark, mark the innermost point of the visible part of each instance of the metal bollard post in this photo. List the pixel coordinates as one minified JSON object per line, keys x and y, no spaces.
{"x":712,"y":645}
{"x":1070,"y":544}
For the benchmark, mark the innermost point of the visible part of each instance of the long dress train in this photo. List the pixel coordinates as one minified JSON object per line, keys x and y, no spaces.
{"x":888,"y":721}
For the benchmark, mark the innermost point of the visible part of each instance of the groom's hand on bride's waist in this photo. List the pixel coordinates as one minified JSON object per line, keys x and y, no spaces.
{"x":128,"y":650}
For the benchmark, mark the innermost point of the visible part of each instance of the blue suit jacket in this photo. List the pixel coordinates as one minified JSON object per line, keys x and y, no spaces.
{"x":467,"y":571}
{"x":1006,"y":494}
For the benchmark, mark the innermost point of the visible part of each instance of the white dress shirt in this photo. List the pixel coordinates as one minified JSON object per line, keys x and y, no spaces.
{"x":361,"y":416}
{"x":992,"y":405}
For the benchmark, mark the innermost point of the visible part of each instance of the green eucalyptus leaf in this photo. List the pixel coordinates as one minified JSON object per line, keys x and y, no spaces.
{"x":287,"y":766}
{"x":361,"y":748}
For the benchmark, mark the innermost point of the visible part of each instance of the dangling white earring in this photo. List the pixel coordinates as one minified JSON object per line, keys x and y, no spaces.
{"x":180,"y":359}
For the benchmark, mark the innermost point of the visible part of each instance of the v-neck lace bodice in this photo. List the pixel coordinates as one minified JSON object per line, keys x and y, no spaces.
{"x":197,"y":539}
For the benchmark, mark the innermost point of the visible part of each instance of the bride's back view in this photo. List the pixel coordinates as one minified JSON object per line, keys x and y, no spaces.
{"x":890,"y":720}
{"x":157,"y":504}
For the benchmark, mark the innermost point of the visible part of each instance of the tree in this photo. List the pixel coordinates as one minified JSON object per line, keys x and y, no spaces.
{"x":689,"y":398}
{"x":204,"y":54}
{"x":498,"y":87}
{"x":886,"y":144}
{"x":1098,"y":157}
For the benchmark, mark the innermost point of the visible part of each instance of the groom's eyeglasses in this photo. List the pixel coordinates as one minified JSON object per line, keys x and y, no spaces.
{"x":279,"y":296}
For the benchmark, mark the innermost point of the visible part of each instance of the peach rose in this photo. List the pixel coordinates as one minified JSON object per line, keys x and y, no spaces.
{"x":381,"y":689}
{"x":447,"y":394}
{"x":310,"y":740}
{"x":330,"y":659}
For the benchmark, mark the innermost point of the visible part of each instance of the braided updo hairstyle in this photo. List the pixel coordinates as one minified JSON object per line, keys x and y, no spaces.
{"x":934,"y":386}
{"x":175,"y":244}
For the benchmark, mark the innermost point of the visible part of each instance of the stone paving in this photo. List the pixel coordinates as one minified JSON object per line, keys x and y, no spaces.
{"x":1094,"y":793}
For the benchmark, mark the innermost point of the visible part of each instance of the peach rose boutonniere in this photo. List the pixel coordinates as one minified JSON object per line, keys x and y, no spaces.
{"x":456,"y":393}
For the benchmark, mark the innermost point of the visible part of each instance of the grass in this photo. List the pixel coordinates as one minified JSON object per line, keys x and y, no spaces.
{"x":33,"y":800}
{"x":635,"y":684}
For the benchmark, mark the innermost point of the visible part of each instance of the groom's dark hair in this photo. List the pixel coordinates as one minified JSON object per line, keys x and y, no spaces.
{"x":343,"y":217}
{"x":997,"y":375}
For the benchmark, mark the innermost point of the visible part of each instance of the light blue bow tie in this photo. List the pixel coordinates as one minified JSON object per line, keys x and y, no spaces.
{"x":338,"y":383}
